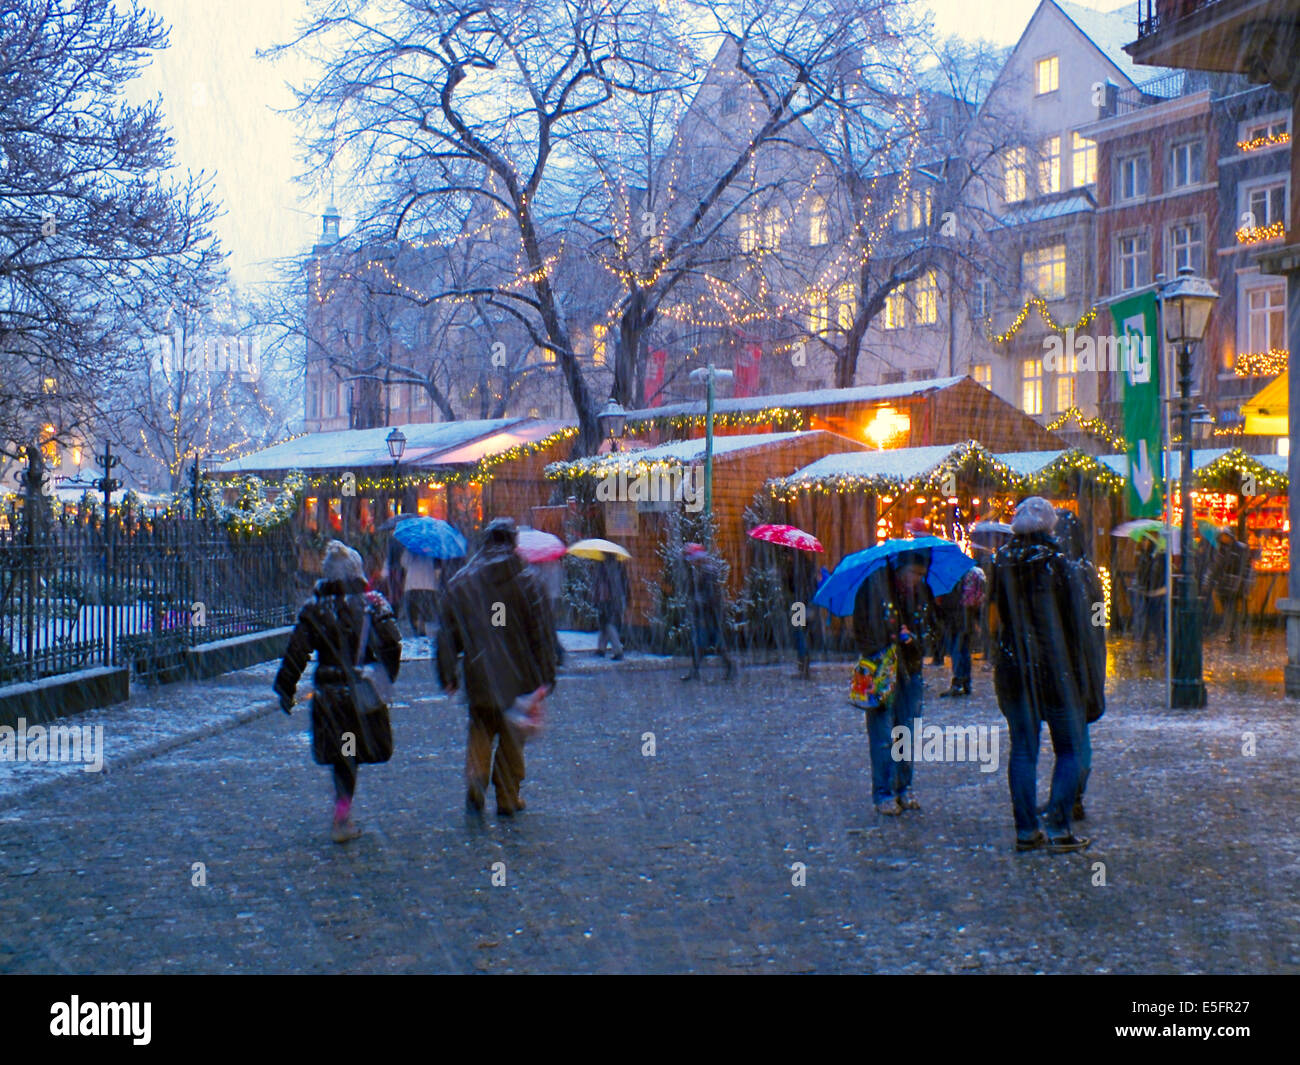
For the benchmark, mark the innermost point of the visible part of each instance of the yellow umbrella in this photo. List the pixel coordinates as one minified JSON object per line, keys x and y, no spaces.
{"x":597,"y":549}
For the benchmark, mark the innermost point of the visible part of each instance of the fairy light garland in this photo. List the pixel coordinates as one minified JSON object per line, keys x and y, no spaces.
{"x":1230,"y":467}
{"x":781,"y":419}
{"x":254,"y":511}
{"x":1259,"y":234}
{"x":1271,"y":140}
{"x":1096,"y":426}
{"x":1262,"y":363}
{"x":1039,"y":304}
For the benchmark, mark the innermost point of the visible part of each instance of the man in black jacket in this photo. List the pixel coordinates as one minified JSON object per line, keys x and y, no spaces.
{"x":499,"y":620}
{"x":1035,"y":674}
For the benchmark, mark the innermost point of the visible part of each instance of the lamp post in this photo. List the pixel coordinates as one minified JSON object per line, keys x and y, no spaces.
{"x":612,"y":420}
{"x":108,"y":484}
{"x":1186,"y":303}
{"x":195,"y":475}
{"x":709,"y":374}
{"x":396,"y":441}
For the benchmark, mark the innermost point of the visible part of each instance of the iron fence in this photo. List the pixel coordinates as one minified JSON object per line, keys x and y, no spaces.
{"x":80,"y":590}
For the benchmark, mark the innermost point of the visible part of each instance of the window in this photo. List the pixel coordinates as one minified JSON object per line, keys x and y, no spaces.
{"x":1042,"y":271}
{"x":1187,"y":246}
{"x":1187,"y":165}
{"x":331,"y":400}
{"x":1047,"y":74}
{"x":1067,"y":366}
{"x":313,"y":398}
{"x":772,"y":227}
{"x":1266,"y":204}
{"x":914,"y":212}
{"x":394,"y":399}
{"x":1084,"y":167}
{"x":419,"y":397}
{"x":1133,"y":174}
{"x":748,"y":233}
{"x":1049,"y":166}
{"x":1134,"y":261}
{"x":598,"y":348}
{"x":892,"y":377}
{"x":1032,"y":388}
{"x":982,"y":372}
{"x":982,"y":299}
{"x":730,"y":103}
{"x":926,"y":299}
{"x":1266,"y":314}
{"x":1262,"y":132}
{"x":819,"y":229}
{"x":846,"y":296}
{"x":49,"y":386}
{"x":819,"y":315}
{"x":894,"y":304}
{"x":1014,"y":179}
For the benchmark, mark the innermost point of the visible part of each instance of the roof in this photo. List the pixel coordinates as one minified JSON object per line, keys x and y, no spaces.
{"x":1110,"y":31}
{"x":1268,"y":411}
{"x":1027,"y":463}
{"x":366,"y":448}
{"x":904,"y":463}
{"x":530,"y":432}
{"x":824,"y":397}
{"x":677,"y":453}
{"x":1201,"y":458}
{"x":1044,"y":210}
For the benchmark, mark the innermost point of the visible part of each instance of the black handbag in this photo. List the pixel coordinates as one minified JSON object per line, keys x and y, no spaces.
{"x":355,"y":710}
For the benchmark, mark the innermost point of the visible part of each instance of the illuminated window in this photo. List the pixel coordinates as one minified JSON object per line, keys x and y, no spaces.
{"x":772,"y":227}
{"x":894,"y":304}
{"x":926,"y":299}
{"x":846,"y":298}
{"x":50,"y":447}
{"x":1043,"y":271}
{"x":819,"y":316}
{"x":1047,"y":74}
{"x":1084,"y":168}
{"x":915,"y":210}
{"x":982,"y":372}
{"x":49,"y":385}
{"x":598,"y":348}
{"x":1014,"y":175}
{"x":1266,"y":314}
{"x":819,"y":227}
{"x":1049,"y":166}
{"x":748,"y":233}
{"x":1032,"y":386}
{"x":1067,"y":366}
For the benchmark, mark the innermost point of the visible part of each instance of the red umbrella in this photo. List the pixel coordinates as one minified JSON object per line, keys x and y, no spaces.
{"x":533,"y":545}
{"x":787,"y":536}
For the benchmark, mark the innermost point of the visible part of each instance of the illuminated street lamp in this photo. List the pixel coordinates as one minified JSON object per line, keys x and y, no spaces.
{"x":709,"y":374}
{"x":396,"y":441}
{"x":1186,"y":303}
{"x":612,"y":420}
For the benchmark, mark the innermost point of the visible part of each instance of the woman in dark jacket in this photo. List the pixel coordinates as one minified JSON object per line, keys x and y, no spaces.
{"x":1035,"y":674}
{"x":331,"y":625}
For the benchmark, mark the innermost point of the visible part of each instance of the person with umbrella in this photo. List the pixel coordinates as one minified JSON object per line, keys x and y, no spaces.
{"x":429,"y":543}
{"x":609,"y":597}
{"x":1035,"y":678}
{"x":885,"y":617}
{"x":800,"y":582}
{"x":497,"y":619}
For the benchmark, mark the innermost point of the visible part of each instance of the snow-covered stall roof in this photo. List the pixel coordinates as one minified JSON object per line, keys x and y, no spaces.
{"x":904,"y":464}
{"x":672,"y":454}
{"x":1028,"y":463}
{"x":822,"y":397}
{"x":1203,"y":458}
{"x":494,"y":444}
{"x":358,"y":449}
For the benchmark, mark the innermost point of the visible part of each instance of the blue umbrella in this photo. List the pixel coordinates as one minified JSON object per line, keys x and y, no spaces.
{"x":948,"y":563}
{"x":430,"y":537}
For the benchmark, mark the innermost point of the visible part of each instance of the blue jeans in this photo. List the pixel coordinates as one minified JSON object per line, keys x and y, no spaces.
{"x":959,"y":649}
{"x":889,"y":777}
{"x":1069,"y":731}
{"x":801,"y":641}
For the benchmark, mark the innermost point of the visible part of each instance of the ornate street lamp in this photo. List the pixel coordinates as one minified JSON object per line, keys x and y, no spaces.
{"x":612,"y":421}
{"x":396,"y":441}
{"x":1186,"y":303}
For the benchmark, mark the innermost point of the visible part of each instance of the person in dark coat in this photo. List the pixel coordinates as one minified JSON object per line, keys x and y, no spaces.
{"x":1089,"y":654}
{"x":886,"y":611}
{"x":1035,"y":675}
{"x":802,"y":584}
{"x":330,"y":626}
{"x":498,"y":620}
{"x":1152,"y":591}
{"x":609,"y":597}
{"x":708,"y":625}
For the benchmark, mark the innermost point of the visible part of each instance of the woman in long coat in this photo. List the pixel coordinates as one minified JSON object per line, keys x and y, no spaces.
{"x":330,"y":625}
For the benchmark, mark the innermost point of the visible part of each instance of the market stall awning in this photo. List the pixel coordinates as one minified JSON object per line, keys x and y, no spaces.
{"x":1267,"y":412}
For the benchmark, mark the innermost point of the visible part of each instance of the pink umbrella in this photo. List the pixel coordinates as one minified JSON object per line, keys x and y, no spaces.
{"x":533,"y":545}
{"x":787,"y":536}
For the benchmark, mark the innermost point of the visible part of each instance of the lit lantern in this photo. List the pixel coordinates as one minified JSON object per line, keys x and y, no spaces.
{"x":887,"y":426}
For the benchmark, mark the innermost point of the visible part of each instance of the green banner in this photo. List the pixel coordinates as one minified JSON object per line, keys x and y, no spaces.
{"x":1137,"y":329}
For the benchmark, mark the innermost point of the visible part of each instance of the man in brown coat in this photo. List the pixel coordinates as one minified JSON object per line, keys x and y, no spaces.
{"x":499,"y":620}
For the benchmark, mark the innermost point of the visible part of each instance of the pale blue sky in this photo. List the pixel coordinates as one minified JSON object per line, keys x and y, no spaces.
{"x":221,"y":102}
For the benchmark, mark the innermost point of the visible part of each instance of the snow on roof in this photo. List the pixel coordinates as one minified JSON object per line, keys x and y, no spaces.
{"x":681,"y":452}
{"x":362,"y":448}
{"x":904,"y":463}
{"x":1110,"y":31}
{"x":494,"y":444}
{"x":822,"y":397}
{"x":1200,"y":459}
{"x":1027,"y":463}
{"x":1077,"y":203}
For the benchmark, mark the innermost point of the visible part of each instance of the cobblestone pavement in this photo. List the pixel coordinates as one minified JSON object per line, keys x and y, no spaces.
{"x":680,"y":860}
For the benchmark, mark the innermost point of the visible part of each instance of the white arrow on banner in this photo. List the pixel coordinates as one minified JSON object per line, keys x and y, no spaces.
{"x":1144,"y":478}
